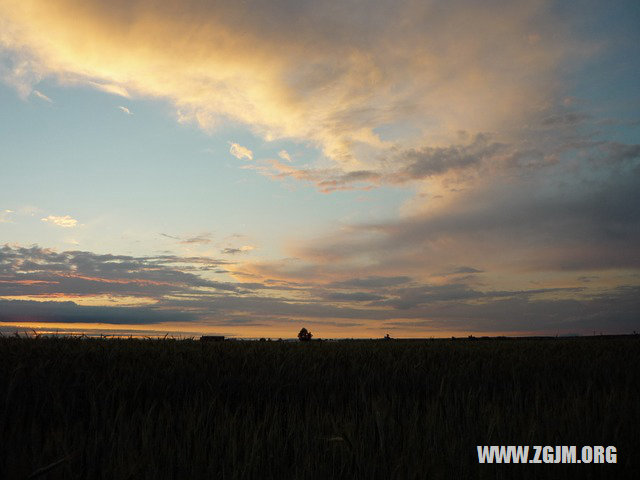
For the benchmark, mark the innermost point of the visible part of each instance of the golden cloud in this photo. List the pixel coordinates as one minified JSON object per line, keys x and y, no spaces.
{"x":353,"y":83}
{"x":240,"y":152}
{"x":61,"y":221}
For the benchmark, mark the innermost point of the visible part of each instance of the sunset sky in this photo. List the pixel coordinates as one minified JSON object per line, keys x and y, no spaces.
{"x":248,"y":168}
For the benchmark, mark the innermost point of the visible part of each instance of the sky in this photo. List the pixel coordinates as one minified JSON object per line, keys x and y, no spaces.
{"x":358,"y":168}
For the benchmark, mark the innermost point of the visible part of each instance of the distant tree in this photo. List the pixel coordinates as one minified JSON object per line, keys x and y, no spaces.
{"x":304,"y":335}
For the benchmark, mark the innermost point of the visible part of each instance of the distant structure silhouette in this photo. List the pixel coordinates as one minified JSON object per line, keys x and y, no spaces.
{"x":387,"y":337}
{"x":304,"y":335}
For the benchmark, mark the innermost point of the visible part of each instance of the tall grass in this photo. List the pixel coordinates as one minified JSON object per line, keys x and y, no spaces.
{"x":276,"y":410}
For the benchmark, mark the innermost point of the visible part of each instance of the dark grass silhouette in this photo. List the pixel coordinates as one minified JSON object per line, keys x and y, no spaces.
{"x":117,"y":409}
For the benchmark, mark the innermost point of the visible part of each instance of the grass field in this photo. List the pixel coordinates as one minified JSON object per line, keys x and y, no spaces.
{"x":110,"y":408}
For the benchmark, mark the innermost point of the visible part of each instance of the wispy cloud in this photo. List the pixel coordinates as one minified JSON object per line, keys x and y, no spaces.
{"x":173,"y":237}
{"x":233,"y":251}
{"x":42,"y":96}
{"x":326,"y":180}
{"x":283,"y":154}
{"x":125,"y":110}
{"x":65,"y":221}
{"x":240,"y":152}
{"x":30,"y":210}
{"x":5,"y":216}
{"x":198,"y":239}
{"x":203,"y":238}
{"x":111,"y":88}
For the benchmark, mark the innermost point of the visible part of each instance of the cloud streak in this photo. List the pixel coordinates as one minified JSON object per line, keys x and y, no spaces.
{"x":42,"y":96}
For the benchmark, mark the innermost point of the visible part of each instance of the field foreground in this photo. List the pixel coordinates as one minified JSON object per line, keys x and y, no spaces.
{"x":117,"y":409}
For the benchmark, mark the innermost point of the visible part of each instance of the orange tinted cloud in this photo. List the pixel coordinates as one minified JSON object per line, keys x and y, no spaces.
{"x":317,"y":72}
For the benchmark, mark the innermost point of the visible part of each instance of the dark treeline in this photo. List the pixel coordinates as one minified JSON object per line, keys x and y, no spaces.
{"x":117,"y":409}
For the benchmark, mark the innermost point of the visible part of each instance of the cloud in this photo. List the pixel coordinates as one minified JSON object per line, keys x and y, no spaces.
{"x":415,"y":296}
{"x":17,"y":71}
{"x":4,"y":216}
{"x":170,"y":236}
{"x":575,"y":213}
{"x":351,"y":84}
{"x":464,"y":103}
{"x":200,"y":239}
{"x":29,"y":210}
{"x":326,"y":180}
{"x":459,"y":270}
{"x":42,"y":96}
{"x":431,"y":161}
{"x":70,"y":312}
{"x":353,"y":297}
{"x":61,"y":221}
{"x":37,"y":271}
{"x":106,"y":87}
{"x":283,"y":154}
{"x":371,"y":282}
{"x":399,"y":167}
{"x":125,"y":110}
{"x":234,"y":251}
{"x":240,"y":152}
{"x":564,"y":119}
{"x":615,"y":310}
{"x":42,"y":285}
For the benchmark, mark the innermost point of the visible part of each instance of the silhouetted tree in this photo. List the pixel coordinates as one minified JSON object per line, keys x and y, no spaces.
{"x":304,"y":335}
